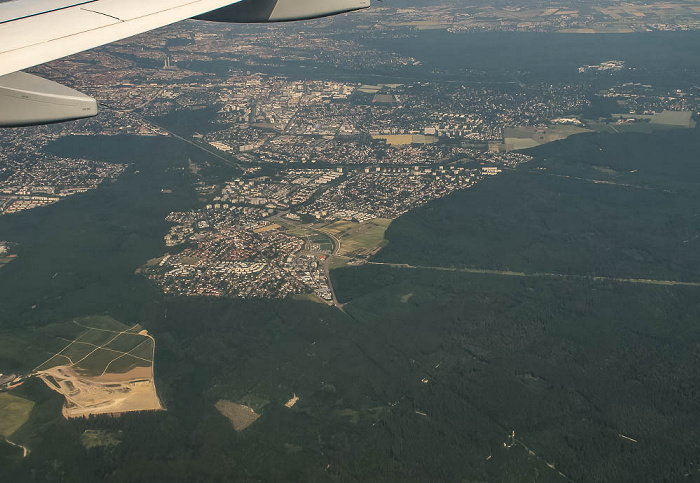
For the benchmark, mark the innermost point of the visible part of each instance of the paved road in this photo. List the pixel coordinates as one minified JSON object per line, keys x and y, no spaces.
{"x":327,"y":267}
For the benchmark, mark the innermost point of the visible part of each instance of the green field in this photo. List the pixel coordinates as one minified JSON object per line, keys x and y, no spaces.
{"x":425,"y":373}
{"x":615,"y":206}
{"x":308,"y":297}
{"x":574,"y":365}
{"x":125,"y":342}
{"x":102,"y":322}
{"x":144,"y":350}
{"x":22,"y":350}
{"x":523,"y":137}
{"x":101,"y":345}
{"x":94,"y":438}
{"x":339,"y":262}
{"x":358,"y":237}
{"x":14,"y":412}
{"x":126,"y":363}
{"x":299,"y":230}
{"x":96,"y":362}
{"x":324,"y":241}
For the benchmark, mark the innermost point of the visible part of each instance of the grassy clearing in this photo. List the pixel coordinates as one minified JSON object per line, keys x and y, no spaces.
{"x":94,"y":350}
{"x":339,"y":262}
{"x":338,"y":228}
{"x":96,"y":362}
{"x":308,"y":297}
{"x":144,"y":351}
{"x":69,"y":356}
{"x":519,"y":137}
{"x":299,"y":231}
{"x":240,"y":415}
{"x":14,"y":412}
{"x":125,"y":364}
{"x":83,"y":345}
{"x":101,"y":322}
{"x":96,"y":337}
{"x":95,"y":438}
{"x":23,"y":349}
{"x":154,"y":261}
{"x":363,"y":237}
{"x":127,"y":342}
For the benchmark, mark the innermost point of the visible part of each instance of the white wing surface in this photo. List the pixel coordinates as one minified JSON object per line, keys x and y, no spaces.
{"x":36,"y":31}
{"x":33,"y":32}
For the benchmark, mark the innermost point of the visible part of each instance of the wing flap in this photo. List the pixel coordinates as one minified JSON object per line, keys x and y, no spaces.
{"x":42,"y":29}
{"x":282,"y":10}
{"x":126,"y":10}
{"x":15,"y":10}
{"x":49,"y":34}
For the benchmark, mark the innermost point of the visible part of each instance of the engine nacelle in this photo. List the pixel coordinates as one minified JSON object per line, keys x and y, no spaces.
{"x":29,"y":100}
{"x":255,"y":11}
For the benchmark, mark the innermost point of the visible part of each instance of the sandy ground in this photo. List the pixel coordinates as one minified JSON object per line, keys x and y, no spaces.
{"x":292,"y":401}
{"x":241,"y":416}
{"x":108,"y":394}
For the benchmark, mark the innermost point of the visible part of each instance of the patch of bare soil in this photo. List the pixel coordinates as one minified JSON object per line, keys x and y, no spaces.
{"x":241,"y":416}
{"x":107,"y":394}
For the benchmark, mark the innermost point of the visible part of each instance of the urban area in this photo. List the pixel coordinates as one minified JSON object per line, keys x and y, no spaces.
{"x":324,"y":163}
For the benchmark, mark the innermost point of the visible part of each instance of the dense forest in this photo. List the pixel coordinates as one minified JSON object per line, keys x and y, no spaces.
{"x":616,"y":206}
{"x":426,"y":373}
{"x":568,"y":366}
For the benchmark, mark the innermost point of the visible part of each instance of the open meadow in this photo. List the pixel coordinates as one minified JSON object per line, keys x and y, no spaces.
{"x":14,"y":412}
{"x":358,"y":238}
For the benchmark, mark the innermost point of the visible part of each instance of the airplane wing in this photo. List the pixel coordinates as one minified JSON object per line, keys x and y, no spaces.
{"x":33,"y":32}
